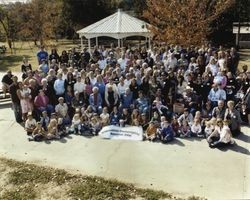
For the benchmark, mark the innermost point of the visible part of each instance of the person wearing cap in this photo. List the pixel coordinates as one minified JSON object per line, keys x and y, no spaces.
{"x":6,"y":82}
{"x":187,"y":116}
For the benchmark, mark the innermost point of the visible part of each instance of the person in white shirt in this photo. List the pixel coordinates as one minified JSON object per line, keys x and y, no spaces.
{"x":92,"y":78}
{"x":105,"y":117}
{"x":102,"y":62}
{"x":222,"y":135}
{"x":30,"y":124}
{"x":127,"y":81}
{"x":171,"y":62}
{"x":121,"y":86}
{"x":212,"y":67}
{"x":196,"y":130}
{"x":122,"y":61}
{"x":79,"y":86}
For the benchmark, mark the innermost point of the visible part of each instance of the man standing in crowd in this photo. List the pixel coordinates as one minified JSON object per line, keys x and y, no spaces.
{"x":42,"y":55}
{"x":15,"y":100}
{"x":6,"y":82}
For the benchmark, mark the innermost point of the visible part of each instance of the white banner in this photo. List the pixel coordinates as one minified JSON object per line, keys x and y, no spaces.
{"x":122,"y":133}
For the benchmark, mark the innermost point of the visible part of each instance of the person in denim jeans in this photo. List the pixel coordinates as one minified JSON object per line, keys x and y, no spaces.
{"x":142,"y":103}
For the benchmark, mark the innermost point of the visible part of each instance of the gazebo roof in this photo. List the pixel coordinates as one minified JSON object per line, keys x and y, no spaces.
{"x":119,"y":25}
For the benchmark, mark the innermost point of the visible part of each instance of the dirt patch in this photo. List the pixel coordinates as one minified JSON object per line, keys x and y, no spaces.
{"x":21,"y":180}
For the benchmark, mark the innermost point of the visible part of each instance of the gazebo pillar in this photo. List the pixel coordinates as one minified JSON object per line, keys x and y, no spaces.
{"x":149,"y":43}
{"x":81,"y":43}
{"x":119,"y":43}
{"x":96,"y":41}
{"x":89,"y":45}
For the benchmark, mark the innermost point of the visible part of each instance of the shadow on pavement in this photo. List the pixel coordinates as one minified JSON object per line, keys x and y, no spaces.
{"x":243,"y":137}
{"x":176,"y":142}
{"x":236,"y":148}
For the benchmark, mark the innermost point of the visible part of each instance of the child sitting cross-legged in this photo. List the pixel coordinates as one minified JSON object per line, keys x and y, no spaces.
{"x":96,"y":125}
{"x":167,"y":133}
{"x":76,"y":123}
{"x":151,"y":131}
{"x":85,"y":128}
{"x":208,"y":129}
{"x":196,"y":130}
{"x":30,"y":124}
{"x":61,"y":127}
{"x":52,"y":130}
{"x":38,"y":133}
{"x":185,"y":130}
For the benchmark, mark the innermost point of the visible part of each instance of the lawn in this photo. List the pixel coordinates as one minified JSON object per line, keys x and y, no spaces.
{"x":13,"y":60}
{"x":20,"y":180}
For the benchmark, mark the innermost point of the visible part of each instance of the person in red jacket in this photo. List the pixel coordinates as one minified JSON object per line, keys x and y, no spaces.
{"x":41,"y":103}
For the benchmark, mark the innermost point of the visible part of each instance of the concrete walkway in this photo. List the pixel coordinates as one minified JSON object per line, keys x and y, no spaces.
{"x":185,"y":167}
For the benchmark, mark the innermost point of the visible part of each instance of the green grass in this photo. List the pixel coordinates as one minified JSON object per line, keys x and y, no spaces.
{"x":22,"y":179}
{"x":24,"y":193}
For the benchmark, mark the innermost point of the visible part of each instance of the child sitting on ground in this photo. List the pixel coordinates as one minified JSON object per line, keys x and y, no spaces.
{"x":185,"y":130}
{"x":30,"y":124}
{"x":225,"y":137}
{"x":52,"y":130}
{"x":61,"y":127}
{"x":175,"y":126}
{"x":76,"y":121}
{"x":208,"y":129}
{"x":105,"y":117}
{"x":44,"y":120}
{"x":95,"y":124}
{"x":151,"y":131}
{"x":38,"y":133}
{"x":196,"y":130}
{"x":167,"y":133}
{"x":85,"y":128}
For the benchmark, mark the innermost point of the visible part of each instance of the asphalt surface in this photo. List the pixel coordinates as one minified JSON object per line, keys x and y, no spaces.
{"x":184,"y":167}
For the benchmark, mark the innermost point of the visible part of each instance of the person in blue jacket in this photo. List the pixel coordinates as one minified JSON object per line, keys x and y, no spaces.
{"x":167,"y":133}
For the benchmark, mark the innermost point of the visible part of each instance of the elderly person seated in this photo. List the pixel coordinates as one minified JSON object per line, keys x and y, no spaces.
{"x":62,"y":111}
{"x":95,"y":100}
{"x":41,"y":103}
{"x":234,"y":118}
{"x":216,"y":94}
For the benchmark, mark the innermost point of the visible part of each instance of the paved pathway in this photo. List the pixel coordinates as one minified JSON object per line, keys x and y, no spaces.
{"x":185,"y":167}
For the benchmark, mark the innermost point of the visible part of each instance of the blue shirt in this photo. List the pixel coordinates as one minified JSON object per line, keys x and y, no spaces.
{"x":42,"y":55}
{"x":59,"y":87}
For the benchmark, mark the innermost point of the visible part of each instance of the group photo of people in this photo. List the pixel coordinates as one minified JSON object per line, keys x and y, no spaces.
{"x":168,"y":90}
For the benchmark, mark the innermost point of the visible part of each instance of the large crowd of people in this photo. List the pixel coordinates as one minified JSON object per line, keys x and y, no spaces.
{"x":169,"y":91}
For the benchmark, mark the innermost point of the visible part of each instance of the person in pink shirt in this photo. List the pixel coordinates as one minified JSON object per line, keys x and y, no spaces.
{"x":41,"y":103}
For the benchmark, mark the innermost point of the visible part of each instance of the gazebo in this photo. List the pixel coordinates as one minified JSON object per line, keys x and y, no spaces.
{"x":119,"y":25}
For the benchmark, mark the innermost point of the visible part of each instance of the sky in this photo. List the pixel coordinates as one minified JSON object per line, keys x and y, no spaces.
{"x":11,"y":1}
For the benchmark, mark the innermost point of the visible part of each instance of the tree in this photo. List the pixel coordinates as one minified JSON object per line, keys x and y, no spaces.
{"x":40,"y":20}
{"x":185,"y":22}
